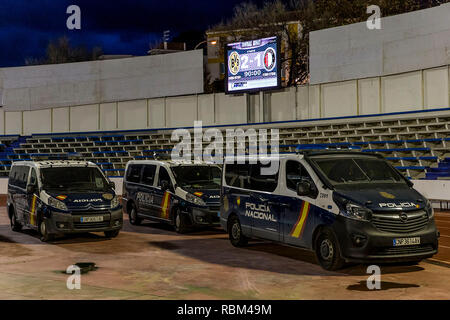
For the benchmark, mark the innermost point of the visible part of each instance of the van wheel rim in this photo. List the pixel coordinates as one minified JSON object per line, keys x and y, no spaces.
{"x":326,"y":250}
{"x":43,"y":230}
{"x":133,"y":215}
{"x":177,"y":221}
{"x":13,"y":220}
{"x":236,"y":231}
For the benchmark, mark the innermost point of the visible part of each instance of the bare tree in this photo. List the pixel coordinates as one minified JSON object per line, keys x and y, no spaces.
{"x":60,"y":51}
{"x":251,"y":22}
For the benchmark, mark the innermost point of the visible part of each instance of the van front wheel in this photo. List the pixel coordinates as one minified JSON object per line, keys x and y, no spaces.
{"x":328,"y":252}
{"x":181,"y":223}
{"x":237,"y":239}
{"x":43,"y":231}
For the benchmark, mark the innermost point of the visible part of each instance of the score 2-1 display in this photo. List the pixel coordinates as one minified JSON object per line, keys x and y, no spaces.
{"x":252,"y":65}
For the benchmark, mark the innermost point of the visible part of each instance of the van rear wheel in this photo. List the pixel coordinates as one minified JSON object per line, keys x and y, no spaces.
{"x":45,"y":236}
{"x":237,"y":239}
{"x":328,"y":252}
{"x":15,"y":225}
{"x":134,"y":219}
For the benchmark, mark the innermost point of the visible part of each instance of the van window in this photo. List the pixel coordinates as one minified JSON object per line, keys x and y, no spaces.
{"x":248,"y":176}
{"x":13,"y":176}
{"x":295,"y":172}
{"x":262,"y":182}
{"x":134,"y":173}
{"x":33,"y":177}
{"x":163,"y":175}
{"x":22,"y":177}
{"x":236,"y":175}
{"x":148,"y":175}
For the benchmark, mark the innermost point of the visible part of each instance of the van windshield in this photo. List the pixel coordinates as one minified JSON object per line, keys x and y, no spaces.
{"x":82,"y":179}
{"x":353,"y":170}
{"x":197,"y":177}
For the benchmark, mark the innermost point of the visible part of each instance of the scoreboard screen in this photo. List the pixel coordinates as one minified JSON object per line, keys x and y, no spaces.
{"x":252,"y":65}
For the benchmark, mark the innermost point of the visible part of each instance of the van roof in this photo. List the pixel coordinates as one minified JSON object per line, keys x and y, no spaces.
{"x":55,"y":163}
{"x":169,"y":163}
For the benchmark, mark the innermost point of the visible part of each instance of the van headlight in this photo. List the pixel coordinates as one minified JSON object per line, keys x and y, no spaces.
{"x":114,"y":202}
{"x":357,"y":212}
{"x":194,"y":199}
{"x":55,"y":203}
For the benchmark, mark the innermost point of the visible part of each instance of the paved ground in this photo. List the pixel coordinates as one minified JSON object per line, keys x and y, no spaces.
{"x":153,"y":262}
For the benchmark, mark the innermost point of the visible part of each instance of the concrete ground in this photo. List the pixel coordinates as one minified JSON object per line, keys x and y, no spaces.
{"x":153,"y":262}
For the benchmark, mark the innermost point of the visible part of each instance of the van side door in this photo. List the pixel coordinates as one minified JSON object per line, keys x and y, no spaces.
{"x":163,"y":198}
{"x":147,"y":190}
{"x":297,"y":218}
{"x":132,"y":181}
{"x":21,"y":194}
{"x":32,"y":199}
{"x":264,"y":208}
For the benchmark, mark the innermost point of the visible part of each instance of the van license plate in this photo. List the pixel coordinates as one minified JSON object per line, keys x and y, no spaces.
{"x":406,"y":241}
{"x":91,"y":219}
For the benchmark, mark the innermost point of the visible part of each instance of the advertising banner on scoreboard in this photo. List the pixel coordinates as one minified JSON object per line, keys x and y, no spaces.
{"x":252,"y":65}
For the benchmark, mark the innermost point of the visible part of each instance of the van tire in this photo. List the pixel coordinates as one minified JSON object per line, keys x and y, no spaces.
{"x":112,"y":233}
{"x":328,"y":252}
{"x":43,"y":231}
{"x":15,"y":225}
{"x":133,"y":217}
{"x":237,"y":239}
{"x":180,"y":222}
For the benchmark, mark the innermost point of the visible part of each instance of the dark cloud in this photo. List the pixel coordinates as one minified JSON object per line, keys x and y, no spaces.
{"x":119,"y":27}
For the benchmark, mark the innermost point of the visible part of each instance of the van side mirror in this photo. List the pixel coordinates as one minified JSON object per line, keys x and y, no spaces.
{"x":31,"y":188}
{"x":165,"y":185}
{"x":112,"y":185}
{"x":304,"y":188}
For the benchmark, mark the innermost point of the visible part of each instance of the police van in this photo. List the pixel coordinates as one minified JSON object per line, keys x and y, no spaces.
{"x":62,"y":197}
{"x":181,"y":194}
{"x":346,"y":206}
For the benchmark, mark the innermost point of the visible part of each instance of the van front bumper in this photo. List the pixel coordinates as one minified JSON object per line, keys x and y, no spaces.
{"x":206,"y":217}
{"x":69,"y":223}
{"x":375,"y":245}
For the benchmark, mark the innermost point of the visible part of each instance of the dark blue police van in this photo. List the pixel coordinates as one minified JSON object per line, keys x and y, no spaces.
{"x":346,"y":206}
{"x":183,"y":195}
{"x":62,"y":197}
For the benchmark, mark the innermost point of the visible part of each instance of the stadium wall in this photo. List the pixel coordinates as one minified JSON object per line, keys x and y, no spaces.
{"x":410,"y":91}
{"x":73,"y":84}
{"x":411,"y":41}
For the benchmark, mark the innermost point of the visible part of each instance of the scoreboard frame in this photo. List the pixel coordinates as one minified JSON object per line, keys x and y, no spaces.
{"x":278,"y":86}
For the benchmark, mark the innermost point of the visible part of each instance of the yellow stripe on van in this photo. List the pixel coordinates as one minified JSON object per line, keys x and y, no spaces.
{"x":165,"y":206}
{"x":33,"y":211}
{"x":297,"y":230}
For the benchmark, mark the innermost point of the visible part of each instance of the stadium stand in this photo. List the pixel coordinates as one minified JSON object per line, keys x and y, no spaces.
{"x":418,"y":146}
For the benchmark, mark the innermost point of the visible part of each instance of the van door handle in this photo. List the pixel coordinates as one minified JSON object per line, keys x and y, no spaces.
{"x":282,"y":205}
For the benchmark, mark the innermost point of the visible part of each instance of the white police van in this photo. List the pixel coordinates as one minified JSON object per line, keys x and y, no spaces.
{"x":184,"y":195}
{"x":62,"y":197}
{"x":346,"y":206}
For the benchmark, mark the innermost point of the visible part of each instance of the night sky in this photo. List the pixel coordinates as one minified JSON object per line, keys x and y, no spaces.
{"x":119,"y":27}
